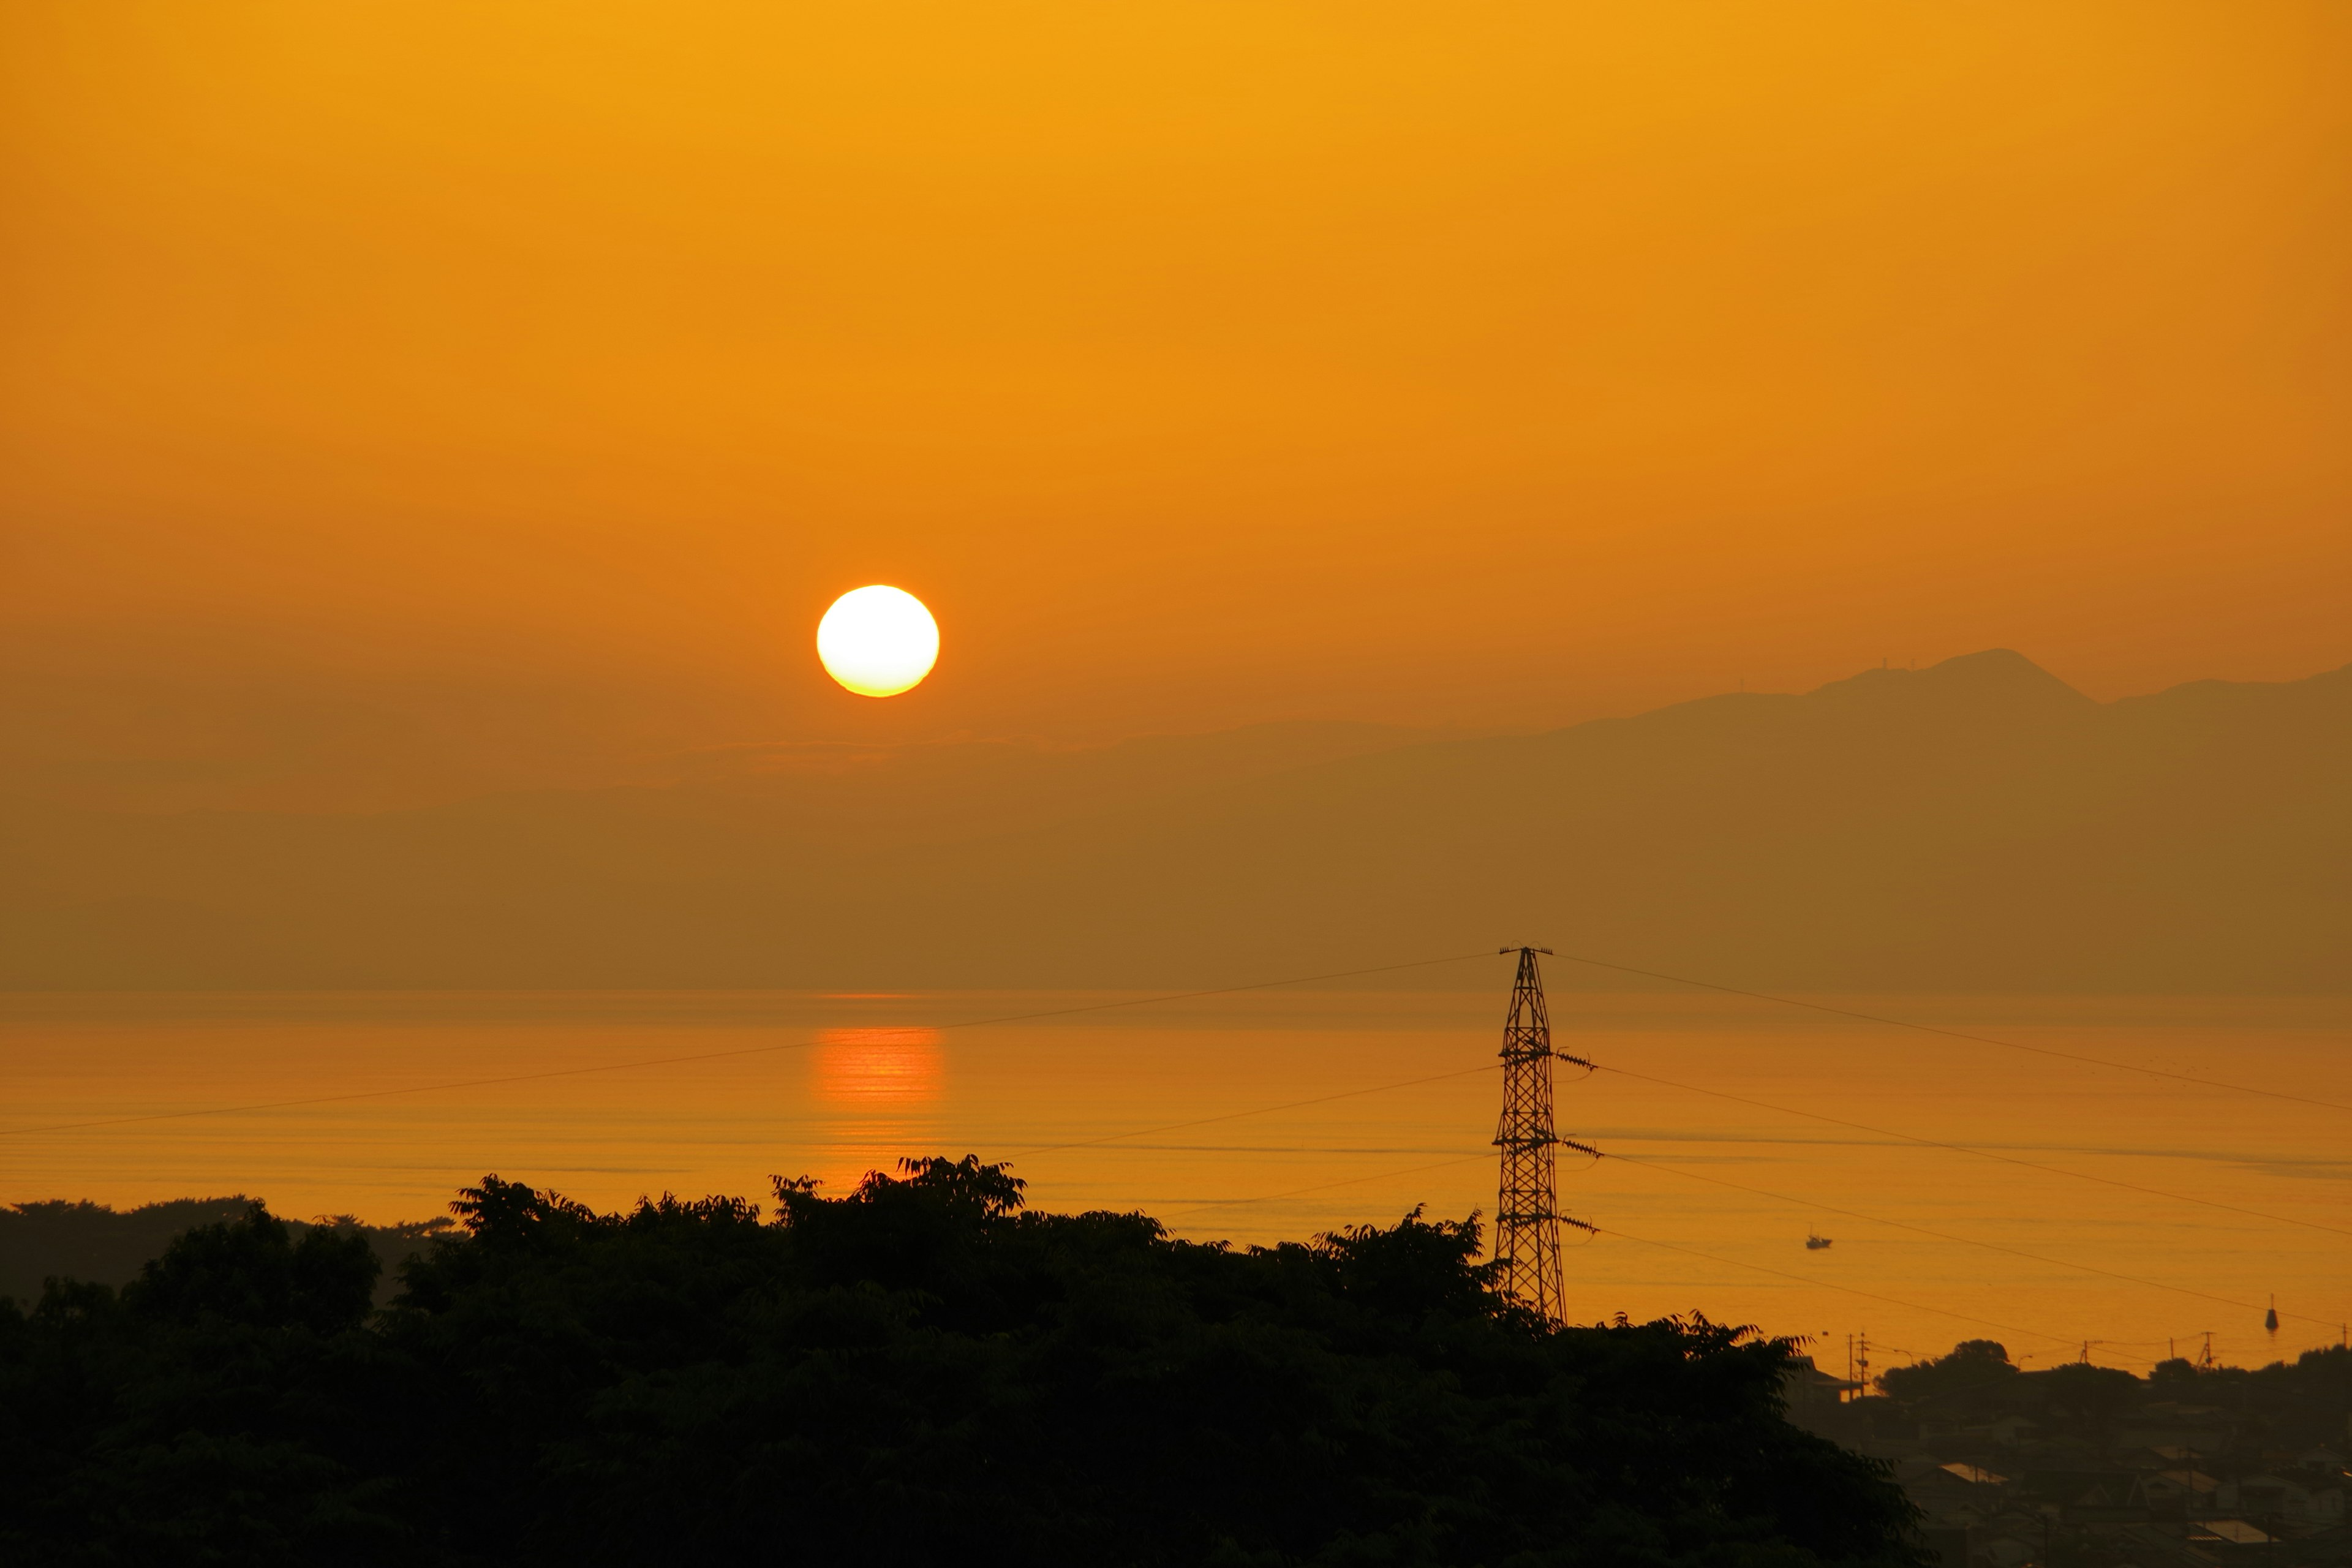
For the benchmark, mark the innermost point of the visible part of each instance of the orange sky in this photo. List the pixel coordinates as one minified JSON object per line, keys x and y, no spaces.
{"x":522,"y":381}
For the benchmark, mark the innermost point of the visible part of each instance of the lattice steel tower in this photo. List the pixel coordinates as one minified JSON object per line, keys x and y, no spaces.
{"x":1527,"y":1210}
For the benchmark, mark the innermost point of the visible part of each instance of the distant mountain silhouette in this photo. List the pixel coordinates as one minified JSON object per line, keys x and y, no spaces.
{"x":1979,"y":825}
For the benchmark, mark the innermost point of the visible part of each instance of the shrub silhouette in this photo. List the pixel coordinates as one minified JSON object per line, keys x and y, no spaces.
{"x":1975,"y":1373}
{"x":921,"y":1370}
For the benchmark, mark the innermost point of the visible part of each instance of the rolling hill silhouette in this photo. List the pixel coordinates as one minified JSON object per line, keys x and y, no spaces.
{"x":1977,"y":825}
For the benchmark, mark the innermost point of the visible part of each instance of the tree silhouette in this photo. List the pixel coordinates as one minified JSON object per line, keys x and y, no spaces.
{"x":919,"y":1371}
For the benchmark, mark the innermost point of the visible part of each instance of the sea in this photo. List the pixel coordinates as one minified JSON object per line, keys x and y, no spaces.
{"x":2040,"y":1181}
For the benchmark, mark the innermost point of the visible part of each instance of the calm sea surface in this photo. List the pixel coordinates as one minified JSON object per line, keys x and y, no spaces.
{"x":1276,"y":1115}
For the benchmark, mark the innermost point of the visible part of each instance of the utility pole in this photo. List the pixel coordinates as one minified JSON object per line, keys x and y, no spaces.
{"x":1527,"y":1207}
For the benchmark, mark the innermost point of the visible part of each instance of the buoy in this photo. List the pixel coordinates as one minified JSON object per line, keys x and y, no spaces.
{"x":2270,"y":1319}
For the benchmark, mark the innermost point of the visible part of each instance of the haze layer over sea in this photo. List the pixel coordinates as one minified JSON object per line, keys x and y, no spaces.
{"x":1276,"y":1114}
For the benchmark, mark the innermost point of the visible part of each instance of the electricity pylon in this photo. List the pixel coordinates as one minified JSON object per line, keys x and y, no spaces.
{"x":1527,"y":1209}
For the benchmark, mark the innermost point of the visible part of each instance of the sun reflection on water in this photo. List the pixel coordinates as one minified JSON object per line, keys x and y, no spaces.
{"x":868,"y":1068}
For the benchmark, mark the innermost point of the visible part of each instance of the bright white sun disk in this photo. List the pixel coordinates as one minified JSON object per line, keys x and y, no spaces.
{"x":877,"y":641}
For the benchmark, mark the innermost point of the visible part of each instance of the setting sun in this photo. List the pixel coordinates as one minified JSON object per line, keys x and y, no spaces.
{"x":878,"y":641}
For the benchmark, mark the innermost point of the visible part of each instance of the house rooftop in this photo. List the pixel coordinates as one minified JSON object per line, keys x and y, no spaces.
{"x":1975,"y":1474}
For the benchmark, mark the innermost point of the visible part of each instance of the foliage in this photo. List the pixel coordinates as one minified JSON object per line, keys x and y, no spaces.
{"x":1975,"y":1370}
{"x":2254,"y":1416}
{"x":2090,"y":1397}
{"x":920,"y":1371}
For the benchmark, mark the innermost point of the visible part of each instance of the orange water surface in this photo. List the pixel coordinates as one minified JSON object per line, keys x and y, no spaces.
{"x":1280,"y":1114}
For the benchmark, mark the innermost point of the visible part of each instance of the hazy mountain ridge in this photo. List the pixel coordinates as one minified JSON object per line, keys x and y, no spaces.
{"x":1978,"y":824}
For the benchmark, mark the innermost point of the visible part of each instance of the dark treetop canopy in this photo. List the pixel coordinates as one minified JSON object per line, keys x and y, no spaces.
{"x":917,"y":1373}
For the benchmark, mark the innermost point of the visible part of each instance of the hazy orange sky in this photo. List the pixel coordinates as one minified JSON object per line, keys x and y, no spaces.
{"x":514,"y":385}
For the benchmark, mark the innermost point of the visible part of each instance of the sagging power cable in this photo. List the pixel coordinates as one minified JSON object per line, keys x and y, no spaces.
{"x":726,"y":1055}
{"x":1324,"y":1186}
{"x":1956,"y":1034}
{"x":1671,"y":1169}
{"x":1980,"y":1154}
{"x":1848,"y":1289}
{"x":1259,"y":1111}
{"x":1604,"y":1231}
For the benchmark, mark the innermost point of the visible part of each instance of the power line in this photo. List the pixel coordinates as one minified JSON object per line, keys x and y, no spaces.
{"x":1980,"y":1154}
{"x":1646,"y":1241}
{"x":1238,"y":1115}
{"x":1527,"y":961}
{"x":1323,"y":1187}
{"x":1848,"y":1289}
{"x":1799,"y":1278}
{"x":723,"y":1056}
{"x":1628,"y":1159}
{"x":1377,"y":1089}
{"x":1959,"y":1035}
{"x":1223,"y":990}
{"x":1945,"y":1235}
{"x":1672,"y":1170}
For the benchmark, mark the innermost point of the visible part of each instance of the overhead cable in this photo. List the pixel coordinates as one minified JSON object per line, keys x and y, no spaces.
{"x":1322,"y":1187}
{"x":1945,"y":1235}
{"x":1646,"y":1241}
{"x":1980,"y":1154}
{"x":723,"y":1056}
{"x":1959,"y":1035}
{"x":1848,"y":1289}
{"x":1260,"y":1111}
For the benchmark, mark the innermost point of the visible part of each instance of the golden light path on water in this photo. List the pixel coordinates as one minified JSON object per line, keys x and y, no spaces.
{"x":865,"y":1078}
